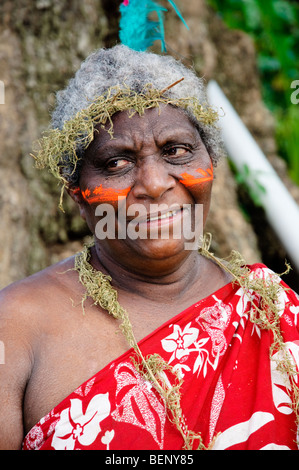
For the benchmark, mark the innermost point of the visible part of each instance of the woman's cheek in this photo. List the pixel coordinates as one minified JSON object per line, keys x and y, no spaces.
{"x":99,"y":195}
{"x":203,"y":177}
{"x":200,"y":187}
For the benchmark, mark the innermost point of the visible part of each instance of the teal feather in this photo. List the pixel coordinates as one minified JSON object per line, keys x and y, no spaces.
{"x":178,"y":12}
{"x":137,"y":30}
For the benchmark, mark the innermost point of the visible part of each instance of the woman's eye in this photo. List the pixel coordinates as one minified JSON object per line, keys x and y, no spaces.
{"x":177,"y":152}
{"x":117,"y":164}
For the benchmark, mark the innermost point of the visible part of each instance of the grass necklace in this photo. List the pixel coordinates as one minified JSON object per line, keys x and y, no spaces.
{"x":153,"y":367}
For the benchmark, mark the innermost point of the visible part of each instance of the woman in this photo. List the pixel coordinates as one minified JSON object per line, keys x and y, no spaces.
{"x":137,"y":155}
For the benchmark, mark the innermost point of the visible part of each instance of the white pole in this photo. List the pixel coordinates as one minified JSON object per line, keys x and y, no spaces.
{"x":280,"y":208}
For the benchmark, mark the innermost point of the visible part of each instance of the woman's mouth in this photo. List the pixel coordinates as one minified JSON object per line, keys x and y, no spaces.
{"x":168,"y":216}
{"x":180,"y":222}
{"x":155,"y":216}
{"x":167,"y":223}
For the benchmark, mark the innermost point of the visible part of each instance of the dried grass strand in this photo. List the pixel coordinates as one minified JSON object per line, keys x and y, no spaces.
{"x":155,"y":369}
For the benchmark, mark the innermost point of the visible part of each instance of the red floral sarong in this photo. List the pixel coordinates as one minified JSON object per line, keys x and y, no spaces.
{"x":231,"y":386}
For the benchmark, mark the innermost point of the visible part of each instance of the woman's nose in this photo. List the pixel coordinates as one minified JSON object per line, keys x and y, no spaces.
{"x":152,"y":181}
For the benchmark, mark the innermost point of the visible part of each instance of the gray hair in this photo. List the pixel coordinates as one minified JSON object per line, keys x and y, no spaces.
{"x":122,"y":66}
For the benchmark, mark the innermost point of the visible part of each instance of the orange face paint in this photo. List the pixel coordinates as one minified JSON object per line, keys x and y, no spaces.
{"x":190,"y":180}
{"x":100,"y":194}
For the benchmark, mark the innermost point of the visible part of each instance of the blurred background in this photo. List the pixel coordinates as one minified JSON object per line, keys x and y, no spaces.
{"x":250,"y":47}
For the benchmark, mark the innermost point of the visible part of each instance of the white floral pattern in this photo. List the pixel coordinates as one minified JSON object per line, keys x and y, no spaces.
{"x":181,"y":343}
{"x":107,"y":438}
{"x":242,"y":431}
{"x":281,"y":386}
{"x":178,"y":341}
{"x":134,"y":393}
{"x":75,"y":426}
{"x":214,"y":320}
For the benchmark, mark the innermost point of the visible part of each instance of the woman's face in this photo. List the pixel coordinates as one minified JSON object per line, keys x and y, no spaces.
{"x":154,"y":178}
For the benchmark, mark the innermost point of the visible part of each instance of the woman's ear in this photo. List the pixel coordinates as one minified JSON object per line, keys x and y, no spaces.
{"x":76,"y":195}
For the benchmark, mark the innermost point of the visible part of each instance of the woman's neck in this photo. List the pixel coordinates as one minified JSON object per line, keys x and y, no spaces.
{"x":194,"y":273}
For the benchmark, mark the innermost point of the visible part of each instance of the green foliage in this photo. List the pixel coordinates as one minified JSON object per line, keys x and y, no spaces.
{"x":248,"y":181}
{"x":288,"y":139}
{"x":274,"y":26}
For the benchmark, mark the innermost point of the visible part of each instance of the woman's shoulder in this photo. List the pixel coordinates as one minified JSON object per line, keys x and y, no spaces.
{"x":26,"y":296}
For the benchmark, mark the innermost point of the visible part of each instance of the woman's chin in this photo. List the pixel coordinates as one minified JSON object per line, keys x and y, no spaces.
{"x":160,"y":249}
{"x":149,"y":258}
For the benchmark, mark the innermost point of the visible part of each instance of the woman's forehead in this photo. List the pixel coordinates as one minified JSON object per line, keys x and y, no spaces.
{"x":163,"y":122}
